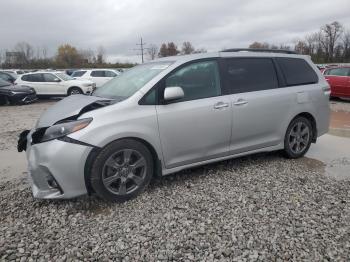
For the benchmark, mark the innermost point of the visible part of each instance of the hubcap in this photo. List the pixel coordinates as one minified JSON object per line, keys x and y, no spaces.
{"x":74,"y":92}
{"x":299,"y":137}
{"x":124,"y":172}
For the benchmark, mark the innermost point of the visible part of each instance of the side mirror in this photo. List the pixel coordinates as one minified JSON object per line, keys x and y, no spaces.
{"x":173,"y":93}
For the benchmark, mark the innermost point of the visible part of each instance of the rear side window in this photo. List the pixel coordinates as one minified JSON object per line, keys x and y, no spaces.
{"x":98,"y":73}
{"x":297,"y":71}
{"x":249,"y":74}
{"x":78,"y":73}
{"x":32,"y":78}
{"x":338,"y":72}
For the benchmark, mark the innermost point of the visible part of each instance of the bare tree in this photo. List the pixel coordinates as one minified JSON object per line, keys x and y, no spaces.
{"x":26,"y":49}
{"x":187,"y":48}
{"x":152,"y":51}
{"x":200,"y":50}
{"x":346,"y":46}
{"x":100,"y":55}
{"x":259,"y":45}
{"x":87,"y":55}
{"x":331,"y":33}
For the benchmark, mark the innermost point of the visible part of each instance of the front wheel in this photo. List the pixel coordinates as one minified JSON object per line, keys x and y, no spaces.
{"x":298,"y":138}
{"x":74,"y":91}
{"x":122,"y":170}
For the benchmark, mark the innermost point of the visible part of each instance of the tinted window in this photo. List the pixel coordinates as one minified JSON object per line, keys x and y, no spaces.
{"x":6,"y":77}
{"x":297,"y":71}
{"x":198,"y":80}
{"x":49,"y":77}
{"x":32,"y":78}
{"x":249,"y":74}
{"x":78,"y":73}
{"x":338,"y":72}
{"x":98,"y":73}
{"x":110,"y":74}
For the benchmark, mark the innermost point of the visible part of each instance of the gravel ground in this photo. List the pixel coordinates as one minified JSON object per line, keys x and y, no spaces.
{"x":14,"y":119}
{"x":261,"y":207}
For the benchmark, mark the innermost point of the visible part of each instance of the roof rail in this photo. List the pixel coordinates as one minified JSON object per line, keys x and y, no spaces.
{"x":260,"y":50}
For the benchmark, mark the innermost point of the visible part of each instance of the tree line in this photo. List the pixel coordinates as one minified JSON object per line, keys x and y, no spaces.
{"x":330,"y":44}
{"x":24,"y":55}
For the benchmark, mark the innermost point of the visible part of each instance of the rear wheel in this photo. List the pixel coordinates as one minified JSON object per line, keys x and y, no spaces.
{"x":298,"y":138}
{"x":122,"y":170}
{"x":74,"y":91}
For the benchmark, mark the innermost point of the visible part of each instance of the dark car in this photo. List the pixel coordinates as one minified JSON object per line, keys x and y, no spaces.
{"x":14,"y":94}
{"x":8,"y":77}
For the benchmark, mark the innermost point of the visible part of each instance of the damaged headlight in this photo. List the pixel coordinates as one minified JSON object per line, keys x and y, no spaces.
{"x":63,"y":129}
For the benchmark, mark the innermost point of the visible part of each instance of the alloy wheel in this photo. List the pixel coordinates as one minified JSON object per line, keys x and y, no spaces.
{"x":299,"y":137}
{"x":124,"y":172}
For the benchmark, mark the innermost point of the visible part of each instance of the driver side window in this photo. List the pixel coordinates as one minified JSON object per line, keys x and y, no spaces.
{"x":198,"y":80}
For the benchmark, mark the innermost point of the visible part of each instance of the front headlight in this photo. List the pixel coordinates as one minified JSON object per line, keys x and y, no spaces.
{"x":63,"y":129}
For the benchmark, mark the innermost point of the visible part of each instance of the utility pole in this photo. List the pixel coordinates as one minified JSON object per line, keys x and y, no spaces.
{"x":142,"y":48}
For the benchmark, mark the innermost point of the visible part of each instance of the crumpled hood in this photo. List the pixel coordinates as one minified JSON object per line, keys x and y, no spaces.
{"x":68,"y":107}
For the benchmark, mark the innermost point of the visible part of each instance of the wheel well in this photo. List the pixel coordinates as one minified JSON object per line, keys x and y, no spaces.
{"x":72,"y":88}
{"x":95,"y":151}
{"x":312,"y":120}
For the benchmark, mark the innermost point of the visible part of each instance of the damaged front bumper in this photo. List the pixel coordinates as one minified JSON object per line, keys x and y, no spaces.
{"x":56,"y":168}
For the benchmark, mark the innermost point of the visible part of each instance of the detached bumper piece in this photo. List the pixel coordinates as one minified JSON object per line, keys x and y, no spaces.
{"x":22,"y":141}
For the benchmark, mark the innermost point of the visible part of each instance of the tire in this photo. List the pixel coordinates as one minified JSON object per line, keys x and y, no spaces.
{"x":74,"y":91}
{"x":4,"y":100}
{"x":114,"y":176}
{"x":298,"y":137}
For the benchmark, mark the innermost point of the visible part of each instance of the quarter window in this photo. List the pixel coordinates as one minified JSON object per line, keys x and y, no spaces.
{"x":198,"y":80}
{"x":297,"y":71}
{"x":249,"y":74}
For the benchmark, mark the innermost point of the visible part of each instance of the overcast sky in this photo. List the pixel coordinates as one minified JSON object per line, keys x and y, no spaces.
{"x":117,"y":25}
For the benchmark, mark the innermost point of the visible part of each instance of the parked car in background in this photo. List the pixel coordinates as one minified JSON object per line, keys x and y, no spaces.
{"x":174,"y":113}
{"x":15,"y":94}
{"x":339,"y":81}
{"x":14,"y":71}
{"x":98,"y":76}
{"x":8,"y":77}
{"x":55,"y":84}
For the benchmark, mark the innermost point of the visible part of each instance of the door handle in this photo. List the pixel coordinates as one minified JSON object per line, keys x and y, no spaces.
{"x":220,"y":105}
{"x":240,"y":101}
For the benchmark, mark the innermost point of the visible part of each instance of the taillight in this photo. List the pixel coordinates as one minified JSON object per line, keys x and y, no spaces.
{"x":326,"y":90}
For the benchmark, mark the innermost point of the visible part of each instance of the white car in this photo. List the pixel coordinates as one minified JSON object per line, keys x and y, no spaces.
{"x":13,"y":71}
{"x":98,"y":76}
{"x":55,"y":84}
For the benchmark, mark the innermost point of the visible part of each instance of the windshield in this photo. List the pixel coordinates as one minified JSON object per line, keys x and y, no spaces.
{"x":64,"y":77}
{"x":128,"y":83}
{"x":4,"y":83}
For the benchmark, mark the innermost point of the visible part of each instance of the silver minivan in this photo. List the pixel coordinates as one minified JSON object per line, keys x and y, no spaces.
{"x":175,"y":113}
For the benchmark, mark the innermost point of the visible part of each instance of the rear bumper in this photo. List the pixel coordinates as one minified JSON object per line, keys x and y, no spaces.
{"x":56,"y":169}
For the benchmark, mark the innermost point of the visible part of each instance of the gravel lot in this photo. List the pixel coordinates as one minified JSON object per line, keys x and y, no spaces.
{"x":261,"y":207}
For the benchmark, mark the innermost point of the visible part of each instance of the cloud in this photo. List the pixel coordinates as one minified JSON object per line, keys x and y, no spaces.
{"x":118,"y":24}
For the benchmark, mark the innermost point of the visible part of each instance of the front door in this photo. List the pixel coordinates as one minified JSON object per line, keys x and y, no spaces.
{"x":197,"y":127}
